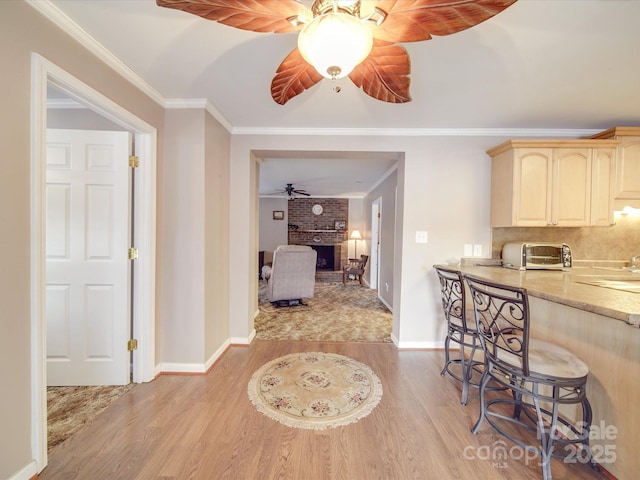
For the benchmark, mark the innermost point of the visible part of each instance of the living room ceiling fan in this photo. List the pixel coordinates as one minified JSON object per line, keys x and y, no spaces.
{"x":292,"y":192}
{"x":354,"y":38}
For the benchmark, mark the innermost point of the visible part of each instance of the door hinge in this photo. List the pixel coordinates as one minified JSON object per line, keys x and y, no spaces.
{"x":133,"y":253}
{"x":134,"y":161}
{"x":132,"y":344}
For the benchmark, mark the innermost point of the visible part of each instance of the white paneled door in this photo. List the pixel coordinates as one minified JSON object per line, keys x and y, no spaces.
{"x":87,"y":241}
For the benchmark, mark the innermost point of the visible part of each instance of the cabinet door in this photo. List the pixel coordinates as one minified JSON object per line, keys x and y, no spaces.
{"x":602,"y":186}
{"x":532,"y":187}
{"x":628,"y":168}
{"x":571,"y":187}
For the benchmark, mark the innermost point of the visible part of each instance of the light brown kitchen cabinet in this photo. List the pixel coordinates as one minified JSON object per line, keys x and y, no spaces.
{"x":552,"y":183}
{"x":603,"y":169}
{"x":627,"y":180}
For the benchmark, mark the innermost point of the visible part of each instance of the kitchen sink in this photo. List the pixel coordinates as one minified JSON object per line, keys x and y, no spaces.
{"x":626,"y":283}
{"x":618,"y":269}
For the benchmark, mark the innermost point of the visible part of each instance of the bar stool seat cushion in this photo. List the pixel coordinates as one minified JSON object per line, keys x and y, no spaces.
{"x":457,"y":322}
{"x":548,"y":360}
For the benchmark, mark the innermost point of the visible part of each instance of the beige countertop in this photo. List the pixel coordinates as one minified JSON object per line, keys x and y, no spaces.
{"x":561,"y":287}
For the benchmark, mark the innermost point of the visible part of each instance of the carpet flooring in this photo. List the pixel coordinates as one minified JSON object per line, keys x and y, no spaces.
{"x":337,"y":312}
{"x":69,"y":409}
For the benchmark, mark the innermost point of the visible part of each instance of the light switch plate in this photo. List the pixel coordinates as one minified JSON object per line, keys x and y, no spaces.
{"x":477,"y":250}
{"x":468,"y":250}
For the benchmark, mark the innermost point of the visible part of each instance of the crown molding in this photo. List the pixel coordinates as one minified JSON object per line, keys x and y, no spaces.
{"x":420,"y":132}
{"x":215,"y":113}
{"x":64,"y":104}
{"x":198,"y":103}
{"x":53,"y":13}
{"x":186,"y":103}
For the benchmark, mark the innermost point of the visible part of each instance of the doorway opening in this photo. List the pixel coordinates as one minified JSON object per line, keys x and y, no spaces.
{"x":312,"y":171}
{"x":44,"y":75}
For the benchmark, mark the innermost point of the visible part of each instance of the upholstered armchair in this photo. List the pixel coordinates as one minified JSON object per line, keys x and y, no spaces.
{"x":292,"y":275}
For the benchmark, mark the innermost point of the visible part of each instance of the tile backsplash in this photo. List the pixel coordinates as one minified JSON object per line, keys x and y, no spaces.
{"x":618,"y":242}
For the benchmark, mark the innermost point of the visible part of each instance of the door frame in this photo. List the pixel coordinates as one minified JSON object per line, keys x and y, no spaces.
{"x":44,"y":73}
{"x":374,"y":261}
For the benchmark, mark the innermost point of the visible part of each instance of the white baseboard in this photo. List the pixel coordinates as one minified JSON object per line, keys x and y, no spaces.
{"x":182,"y":368}
{"x":244,"y":340}
{"x":195,"y":367}
{"x":384,"y":302}
{"x":419,"y":345}
{"x":217,"y":354}
{"x":27,"y":472}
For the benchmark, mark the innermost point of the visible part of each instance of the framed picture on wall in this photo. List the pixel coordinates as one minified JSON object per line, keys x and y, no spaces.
{"x":278,"y":214}
{"x":340,"y":224}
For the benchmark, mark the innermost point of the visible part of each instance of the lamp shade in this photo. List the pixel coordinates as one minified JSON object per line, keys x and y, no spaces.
{"x":355,"y":235}
{"x":334,"y":43}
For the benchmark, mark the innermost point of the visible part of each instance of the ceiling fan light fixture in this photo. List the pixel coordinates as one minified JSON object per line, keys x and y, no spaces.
{"x":335,"y":43}
{"x":336,"y":37}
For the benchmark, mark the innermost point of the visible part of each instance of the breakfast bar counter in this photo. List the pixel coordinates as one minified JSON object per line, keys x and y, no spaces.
{"x":566,"y":288}
{"x":600,"y":326}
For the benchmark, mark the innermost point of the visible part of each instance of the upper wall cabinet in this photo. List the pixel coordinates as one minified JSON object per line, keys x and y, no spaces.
{"x":566,"y":183}
{"x":603,"y":169}
{"x":627,"y":180}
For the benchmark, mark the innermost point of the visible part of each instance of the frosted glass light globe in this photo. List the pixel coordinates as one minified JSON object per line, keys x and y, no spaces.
{"x":335,"y":43}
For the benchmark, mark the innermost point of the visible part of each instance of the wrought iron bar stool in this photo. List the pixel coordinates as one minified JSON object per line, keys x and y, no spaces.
{"x":542,"y":377}
{"x":461,"y":329}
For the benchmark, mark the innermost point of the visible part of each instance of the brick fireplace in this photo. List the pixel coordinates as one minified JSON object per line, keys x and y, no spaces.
{"x":327,"y":232}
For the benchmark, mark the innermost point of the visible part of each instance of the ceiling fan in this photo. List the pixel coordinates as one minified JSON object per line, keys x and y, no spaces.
{"x":373,"y":27}
{"x":292,"y":192}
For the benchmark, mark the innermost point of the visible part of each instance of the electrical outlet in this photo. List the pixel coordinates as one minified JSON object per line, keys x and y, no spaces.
{"x":422,"y":237}
{"x":477,"y":250}
{"x":468,"y":250}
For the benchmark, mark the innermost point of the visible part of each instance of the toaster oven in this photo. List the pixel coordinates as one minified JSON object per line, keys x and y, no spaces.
{"x":536,"y":256}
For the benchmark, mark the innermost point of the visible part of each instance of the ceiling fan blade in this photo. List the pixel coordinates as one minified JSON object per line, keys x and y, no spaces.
{"x":253,"y":15}
{"x":293,"y":77}
{"x":384,"y":74}
{"x":301,"y":192}
{"x":416,"y":20}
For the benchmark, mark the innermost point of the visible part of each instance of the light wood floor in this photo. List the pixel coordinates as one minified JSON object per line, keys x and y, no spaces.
{"x":204,"y":427}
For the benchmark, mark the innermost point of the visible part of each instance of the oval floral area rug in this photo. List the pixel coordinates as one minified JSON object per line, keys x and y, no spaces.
{"x":315,"y":390}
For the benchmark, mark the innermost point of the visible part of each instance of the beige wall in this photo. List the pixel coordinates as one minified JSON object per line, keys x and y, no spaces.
{"x":194,"y":290}
{"x":272,"y":232}
{"x":216,"y":242}
{"x":181,"y":286}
